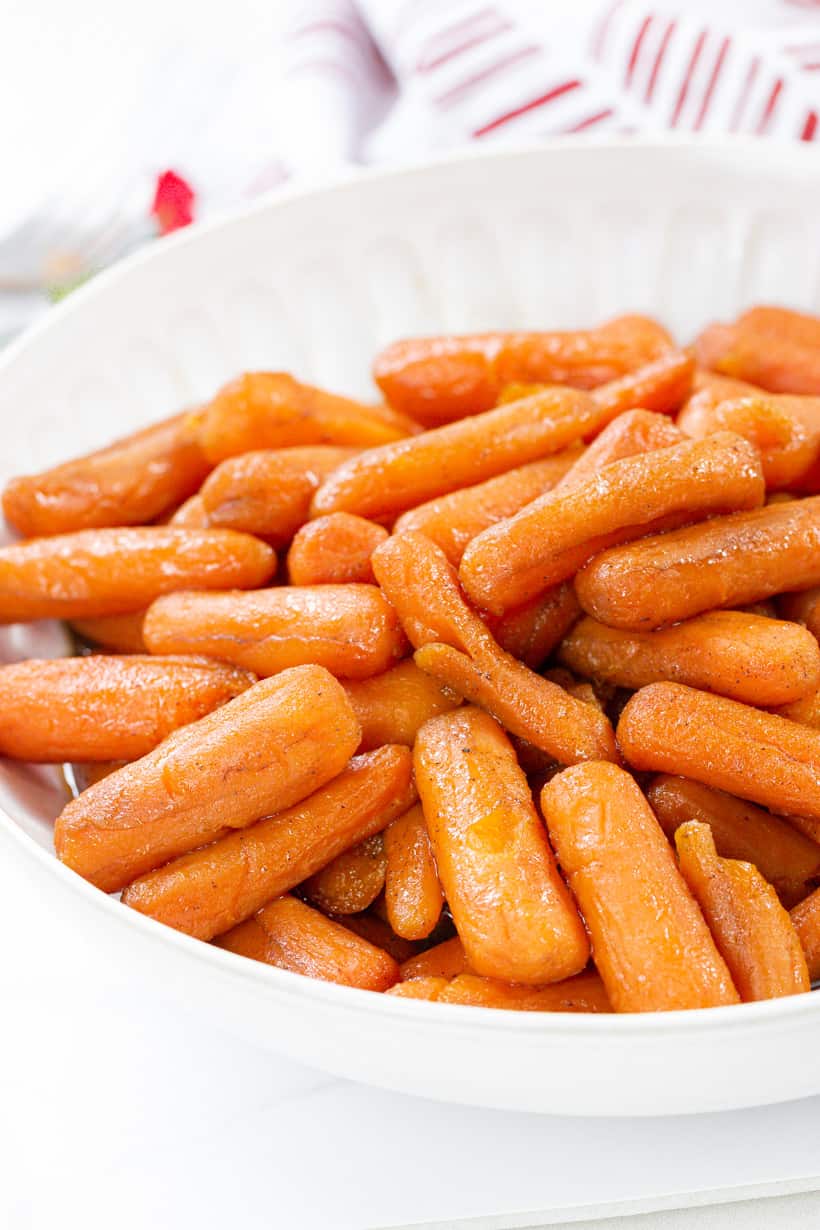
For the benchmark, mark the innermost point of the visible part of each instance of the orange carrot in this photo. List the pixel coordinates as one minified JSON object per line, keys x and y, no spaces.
{"x":119,"y":633}
{"x":770,"y":346}
{"x":392,"y":706}
{"x":630,"y":434}
{"x":531,"y":632}
{"x":649,"y":941}
{"x":374,"y":929}
{"x":444,"y":960}
{"x":583,"y":993}
{"x":263,"y":751}
{"x":806,"y":922}
{"x":352,"y":880}
{"x":806,"y":711}
{"x":411,"y":885}
{"x":804,"y":608}
{"x":419,"y":988}
{"x":334,"y":549}
{"x":659,"y":386}
{"x":191,"y":515}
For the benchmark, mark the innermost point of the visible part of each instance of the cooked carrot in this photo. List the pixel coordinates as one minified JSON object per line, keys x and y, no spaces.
{"x":809,"y":826}
{"x":419,"y":988}
{"x":726,"y":562}
{"x":352,"y":880}
{"x":659,"y":386}
{"x":116,"y":571}
{"x":510,"y":906}
{"x":263,"y":751}
{"x":386,"y":481}
{"x":583,"y":993}
{"x":788,"y":859}
{"x":770,"y":346}
{"x":290,"y":935}
{"x":268,"y":492}
{"x":192,"y":514}
{"x":411,"y":885}
{"x":531,"y":632}
{"x":752,"y":930}
{"x":555,"y":535}
{"x":806,"y":922}
{"x":747,"y":657}
{"x":350,"y":629}
{"x":444,"y":960}
{"x":392,"y":706}
{"x":453,"y":520}
{"x":334,"y":549}
{"x":669,"y":728}
{"x":650,"y":943}
{"x":437,"y":379}
{"x":119,"y":633}
{"x":806,"y":711}
{"x":220,"y":885}
{"x":81,"y":775}
{"x":526,"y":704}
{"x":631,"y":433}
{"x":130,"y":482}
{"x":106,"y":708}
{"x":803,"y":608}
{"x":374,"y":929}
{"x":272,"y":410}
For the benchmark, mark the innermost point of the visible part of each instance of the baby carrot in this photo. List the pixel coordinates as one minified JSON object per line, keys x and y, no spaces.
{"x":333,"y":550}
{"x":352,"y":880}
{"x":650,"y":943}
{"x":385,"y":481}
{"x":116,"y":571}
{"x":373,"y":928}
{"x":192,"y":514}
{"x":787,"y":859}
{"x":555,"y":535}
{"x":412,"y":890}
{"x":669,"y":728}
{"x":531,"y":632}
{"x":131,"y":481}
{"x":216,"y":887}
{"x":726,"y":562}
{"x":119,"y":633}
{"x":272,"y":410}
{"x":747,"y":657}
{"x":510,"y":906}
{"x":659,"y":386}
{"x":752,"y":930}
{"x":453,"y":520}
{"x":583,"y":993}
{"x":392,"y":706}
{"x":290,"y":935}
{"x":445,"y":960}
{"x":268,"y":492}
{"x":263,"y":751}
{"x":803,"y":608}
{"x":770,"y":346}
{"x":437,"y":379}
{"x":631,"y":433}
{"x":106,"y":708}
{"x":419,"y":988}
{"x":806,"y":922}
{"x":350,"y":629}
{"x":806,"y":711}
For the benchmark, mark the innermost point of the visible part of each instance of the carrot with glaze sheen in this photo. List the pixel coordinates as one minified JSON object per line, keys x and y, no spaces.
{"x":670,"y":728}
{"x":106,"y":708}
{"x":444,"y":960}
{"x":555,"y":535}
{"x":650,"y":943}
{"x":771,"y":346}
{"x":351,"y":881}
{"x":290,"y":935}
{"x":412,"y":889}
{"x":750,"y":927}
{"x":583,"y":993}
{"x":531,"y":632}
{"x":511,"y":908}
{"x":116,"y":571}
{"x":803,"y":608}
{"x":334,"y":550}
{"x":117,"y":633}
{"x":438,"y":379}
{"x":350,"y":629}
{"x":806,"y":922}
{"x":727,"y":562}
{"x":392,"y":706}
{"x":263,"y":751}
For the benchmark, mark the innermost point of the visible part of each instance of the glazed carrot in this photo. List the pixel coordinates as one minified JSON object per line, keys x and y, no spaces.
{"x":770,"y":346}
{"x":192,"y":514}
{"x":583,"y":993}
{"x":116,"y":571}
{"x":82,"y":775}
{"x":411,"y":885}
{"x":803,"y":608}
{"x":555,"y":535}
{"x":272,"y":410}
{"x":806,"y":922}
{"x":352,"y":880}
{"x":220,"y":885}
{"x":130,"y":482}
{"x":445,"y":960}
{"x":419,"y":988}
{"x":268,"y":492}
{"x":510,"y":906}
{"x":809,"y":826}
{"x":392,"y":706}
{"x":350,"y":629}
{"x":290,"y":935}
{"x":660,"y":386}
{"x":263,"y":751}
{"x":120,"y":633}
{"x":650,"y":943}
{"x":631,"y":433}
{"x":374,"y":929}
{"x":752,"y":930}
{"x":806,"y":711}
{"x":334,"y":549}
{"x":531,"y":632}
{"x":526,"y":704}
{"x":788,"y":859}
{"x":386,"y":481}
{"x":106,"y":708}
{"x":726,"y":562}
{"x":749,"y":658}
{"x":437,"y":379}
{"x":670,"y":728}
{"x":453,"y":520}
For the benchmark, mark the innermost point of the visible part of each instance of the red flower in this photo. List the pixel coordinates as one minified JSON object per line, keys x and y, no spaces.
{"x":173,"y":205}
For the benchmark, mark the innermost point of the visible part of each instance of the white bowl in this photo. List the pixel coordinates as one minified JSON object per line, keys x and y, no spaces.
{"x":554,"y":237}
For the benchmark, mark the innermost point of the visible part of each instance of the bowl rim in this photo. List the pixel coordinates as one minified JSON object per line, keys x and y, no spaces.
{"x":461,"y":1018}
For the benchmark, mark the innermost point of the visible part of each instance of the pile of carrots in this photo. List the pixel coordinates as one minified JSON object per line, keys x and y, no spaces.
{"x":504,"y":691}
